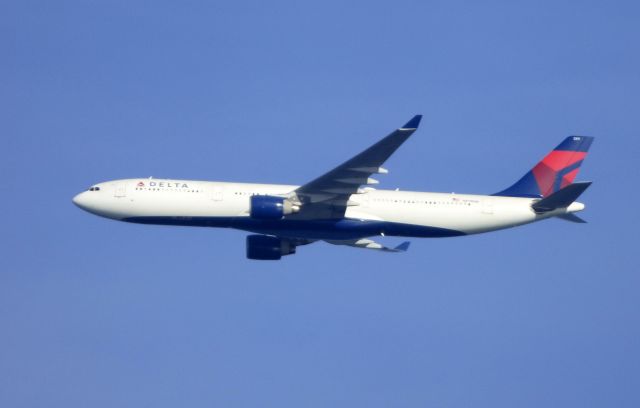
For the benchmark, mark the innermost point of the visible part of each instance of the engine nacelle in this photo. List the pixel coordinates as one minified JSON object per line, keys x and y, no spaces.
{"x":270,"y":207}
{"x":264,"y":247}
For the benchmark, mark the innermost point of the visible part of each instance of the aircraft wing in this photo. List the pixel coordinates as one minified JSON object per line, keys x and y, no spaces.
{"x":328,"y":195}
{"x":370,"y":244}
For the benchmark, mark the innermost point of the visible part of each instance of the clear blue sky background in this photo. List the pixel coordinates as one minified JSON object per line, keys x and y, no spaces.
{"x":96,"y":313}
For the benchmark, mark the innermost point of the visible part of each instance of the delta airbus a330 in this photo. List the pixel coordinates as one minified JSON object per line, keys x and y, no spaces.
{"x":339,"y":207}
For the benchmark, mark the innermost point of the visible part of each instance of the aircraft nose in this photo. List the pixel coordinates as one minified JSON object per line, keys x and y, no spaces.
{"x":80,"y":199}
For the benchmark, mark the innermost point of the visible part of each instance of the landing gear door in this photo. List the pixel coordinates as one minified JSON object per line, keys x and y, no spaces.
{"x":121,"y":190}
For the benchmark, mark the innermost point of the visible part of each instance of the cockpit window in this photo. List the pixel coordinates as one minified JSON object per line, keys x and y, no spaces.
{"x":94,"y":189}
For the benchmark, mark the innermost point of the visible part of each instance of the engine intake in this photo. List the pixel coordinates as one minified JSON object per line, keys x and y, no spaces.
{"x":271,"y":207}
{"x":264,"y":247}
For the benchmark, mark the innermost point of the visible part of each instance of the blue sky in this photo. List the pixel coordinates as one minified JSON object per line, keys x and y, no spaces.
{"x":99,"y":313}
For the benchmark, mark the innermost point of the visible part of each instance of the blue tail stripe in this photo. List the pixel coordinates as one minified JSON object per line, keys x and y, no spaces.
{"x":525,"y":187}
{"x":575,"y":144}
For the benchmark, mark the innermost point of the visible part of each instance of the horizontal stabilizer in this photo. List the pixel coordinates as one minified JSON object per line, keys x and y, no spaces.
{"x":561,"y":198}
{"x":572,"y":218}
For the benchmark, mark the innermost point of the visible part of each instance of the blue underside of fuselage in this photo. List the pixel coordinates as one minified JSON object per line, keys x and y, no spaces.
{"x":342,"y":229}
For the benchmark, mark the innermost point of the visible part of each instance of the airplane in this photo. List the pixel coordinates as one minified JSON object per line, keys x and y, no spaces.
{"x":340,"y":207}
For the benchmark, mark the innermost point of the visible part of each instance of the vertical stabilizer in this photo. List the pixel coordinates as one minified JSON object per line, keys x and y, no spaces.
{"x":557,"y":170}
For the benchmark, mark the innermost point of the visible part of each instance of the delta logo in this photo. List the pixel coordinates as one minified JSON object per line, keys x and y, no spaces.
{"x":164,"y":184}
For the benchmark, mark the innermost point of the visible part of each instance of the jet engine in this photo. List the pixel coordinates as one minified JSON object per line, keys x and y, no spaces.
{"x":265,"y":207}
{"x":264,"y":247}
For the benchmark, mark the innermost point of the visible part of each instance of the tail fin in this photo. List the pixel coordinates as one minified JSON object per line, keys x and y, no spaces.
{"x":557,"y":170}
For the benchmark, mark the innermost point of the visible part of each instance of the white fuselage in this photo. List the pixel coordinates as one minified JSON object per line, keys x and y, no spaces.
{"x":221,"y":204}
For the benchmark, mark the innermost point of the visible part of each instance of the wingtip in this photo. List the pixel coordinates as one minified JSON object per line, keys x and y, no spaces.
{"x":413,"y":123}
{"x":403,"y":247}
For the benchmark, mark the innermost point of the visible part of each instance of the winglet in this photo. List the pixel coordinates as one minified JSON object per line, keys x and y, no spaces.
{"x":402,"y":247}
{"x":413,"y":123}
